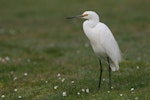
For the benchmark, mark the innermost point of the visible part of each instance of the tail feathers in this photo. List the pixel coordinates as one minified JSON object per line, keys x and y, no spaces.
{"x":114,"y":67}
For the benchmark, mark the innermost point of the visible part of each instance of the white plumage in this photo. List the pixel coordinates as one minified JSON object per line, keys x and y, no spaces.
{"x":102,"y":41}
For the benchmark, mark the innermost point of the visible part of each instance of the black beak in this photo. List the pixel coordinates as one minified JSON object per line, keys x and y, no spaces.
{"x":72,"y":17}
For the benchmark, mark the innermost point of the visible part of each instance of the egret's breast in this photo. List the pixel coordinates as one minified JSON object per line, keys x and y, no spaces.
{"x":95,"y":39}
{"x":98,"y":49}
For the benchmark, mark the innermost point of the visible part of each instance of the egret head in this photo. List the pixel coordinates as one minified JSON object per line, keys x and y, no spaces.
{"x":89,"y":15}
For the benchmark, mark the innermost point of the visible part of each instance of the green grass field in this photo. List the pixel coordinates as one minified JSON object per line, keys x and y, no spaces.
{"x":37,"y":43}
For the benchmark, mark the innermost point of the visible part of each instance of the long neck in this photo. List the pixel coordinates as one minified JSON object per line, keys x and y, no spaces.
{"x":88,"y":26}
{"x":92,"y":23}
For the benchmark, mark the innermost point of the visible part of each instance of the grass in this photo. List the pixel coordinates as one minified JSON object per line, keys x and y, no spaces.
{"x":37,"y":43}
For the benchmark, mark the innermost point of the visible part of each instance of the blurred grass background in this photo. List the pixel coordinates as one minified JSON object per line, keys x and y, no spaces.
{"x":35,"y":38}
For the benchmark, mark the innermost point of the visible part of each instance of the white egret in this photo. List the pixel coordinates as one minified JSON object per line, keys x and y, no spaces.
{"x":102,"y":41}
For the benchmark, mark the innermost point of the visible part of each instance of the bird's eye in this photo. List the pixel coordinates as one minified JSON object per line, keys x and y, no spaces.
{"x":84,"y":15}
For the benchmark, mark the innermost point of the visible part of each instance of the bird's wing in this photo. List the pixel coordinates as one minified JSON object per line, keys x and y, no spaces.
{"x":109,"y":43}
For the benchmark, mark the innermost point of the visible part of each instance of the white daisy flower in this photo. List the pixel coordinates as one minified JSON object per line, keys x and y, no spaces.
{"x":104,"y":79}
{"x":83,"y":90}
{"x":78,"y":93}
{"x":46,"y":81}
{"x":112,"y":87}
{"x":121,"y":94}
{"x":132,"y":89}
{"x":55,"y":87}
{"x":3,"y":96}
{"x":25,"y":74}
{"x":137,"y":67}
{"x":87,"y":90}
{"x":63,"y":80}
{"x":19,"y":97}
{"x":136,"y":98}
{"x":64,"y":94}
{"x":7,"y":58}
{"x":58,"y":75}
{"x":72,"y":82}
{"x":15,"y":78}
{"x":15,"y":90}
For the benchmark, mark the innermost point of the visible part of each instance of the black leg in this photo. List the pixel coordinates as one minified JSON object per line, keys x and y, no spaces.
{"x":109,"y":69}
{"x":100,"y":76}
